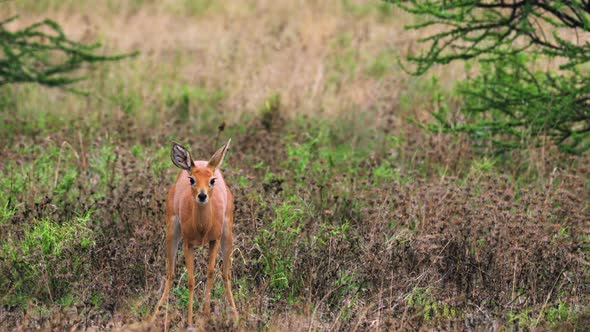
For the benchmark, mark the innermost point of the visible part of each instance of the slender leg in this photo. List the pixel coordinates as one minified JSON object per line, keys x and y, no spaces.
{"x":226,"y":274}
{"x":172,"y":240}
{"x":226,"y":251}
{"x":213,"y":250}
{"x":189,"y":258}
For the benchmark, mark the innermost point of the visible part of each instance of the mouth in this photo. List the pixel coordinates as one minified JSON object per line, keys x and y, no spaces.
{"x":202,"y":202}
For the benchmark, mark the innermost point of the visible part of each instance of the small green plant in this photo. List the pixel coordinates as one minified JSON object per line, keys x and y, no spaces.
{"x":137,"y":151}
{"x":67,"y":300}
{"x":422,"y":300}
{"x":522,"y":318}
{"x":6,"y":211}
{"x":270,"y":112}
{"x":560,"y":313}
{"x":67,"y":182}
{"x":347,"y":284}
{"x":242,"y":182}
{"x":128,"y":102}
{"x":180,"y":291}
{"x":96,"y":299}
{"x":482,"y":166}
{"x":384,"y":173}
{"x":328,"y":231}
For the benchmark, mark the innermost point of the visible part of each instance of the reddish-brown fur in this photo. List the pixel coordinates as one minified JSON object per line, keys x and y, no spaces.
{"x":199,"y":222}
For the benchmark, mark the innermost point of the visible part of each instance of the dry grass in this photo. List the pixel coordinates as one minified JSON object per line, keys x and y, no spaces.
{"x":316,"y":54}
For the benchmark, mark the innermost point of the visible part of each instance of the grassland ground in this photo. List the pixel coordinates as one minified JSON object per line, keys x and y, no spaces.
{"x":348,"y":216}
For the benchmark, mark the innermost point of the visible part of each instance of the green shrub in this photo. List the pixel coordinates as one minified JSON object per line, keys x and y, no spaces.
{"x":279,"y":242}
{"x":43,"y":261}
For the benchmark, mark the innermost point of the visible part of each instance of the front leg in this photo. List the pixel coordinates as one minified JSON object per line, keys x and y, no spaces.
{"x":189,"y":258}
{"x":172,"y":240}
{"x":213,"y":250}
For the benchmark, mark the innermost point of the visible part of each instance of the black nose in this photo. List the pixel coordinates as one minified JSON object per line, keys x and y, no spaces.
{"x":202,"y":197}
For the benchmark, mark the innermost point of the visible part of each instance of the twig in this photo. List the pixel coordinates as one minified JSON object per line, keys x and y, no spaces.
{"x":549,"y":296}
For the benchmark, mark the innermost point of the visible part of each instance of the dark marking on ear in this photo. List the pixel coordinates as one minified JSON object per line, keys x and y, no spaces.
{"x":181,"y":157}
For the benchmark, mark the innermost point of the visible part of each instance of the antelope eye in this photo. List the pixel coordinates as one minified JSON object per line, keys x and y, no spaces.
{"x":192,"y":180}
{"x":212,"y":182}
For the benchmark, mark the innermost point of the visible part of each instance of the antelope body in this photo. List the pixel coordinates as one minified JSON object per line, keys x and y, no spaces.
{"x":199,"y":210}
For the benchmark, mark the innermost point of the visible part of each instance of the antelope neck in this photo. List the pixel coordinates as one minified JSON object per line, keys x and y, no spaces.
{"x":202,"y":218}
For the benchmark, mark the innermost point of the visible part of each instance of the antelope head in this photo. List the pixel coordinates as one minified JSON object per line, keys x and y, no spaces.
{"x":201,"y":178}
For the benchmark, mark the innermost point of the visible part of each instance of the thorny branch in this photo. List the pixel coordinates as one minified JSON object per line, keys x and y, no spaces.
{"x":508,"y":36}
{"x":43,"y":54}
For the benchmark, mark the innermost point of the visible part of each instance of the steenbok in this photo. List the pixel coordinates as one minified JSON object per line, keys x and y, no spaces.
{"x":200,"y":211}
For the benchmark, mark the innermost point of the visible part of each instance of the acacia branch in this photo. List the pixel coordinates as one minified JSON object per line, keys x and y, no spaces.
{"x":509,"y":102}
{"x":48,"y":58}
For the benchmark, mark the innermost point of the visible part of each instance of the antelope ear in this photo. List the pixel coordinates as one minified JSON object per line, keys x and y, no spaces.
{"x":181,"y":157}
{"x":217,"y":157}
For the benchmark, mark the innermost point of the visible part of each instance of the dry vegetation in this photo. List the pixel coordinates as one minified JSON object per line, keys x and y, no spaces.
{"x":348,"y":215}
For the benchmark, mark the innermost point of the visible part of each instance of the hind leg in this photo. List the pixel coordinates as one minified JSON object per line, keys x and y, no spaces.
{"x":226,"y":274}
